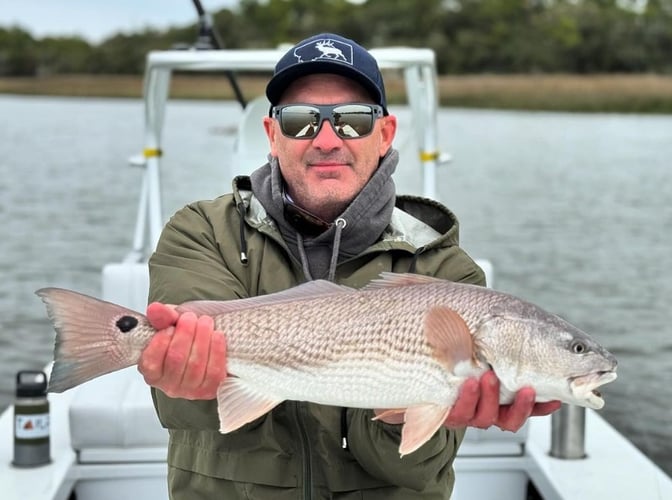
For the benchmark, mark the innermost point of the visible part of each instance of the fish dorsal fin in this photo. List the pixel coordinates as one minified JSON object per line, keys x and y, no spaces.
{"x":238,"y":404}
{"x":449,"y":336}
{"x":389,"y":280}
{"x":309,"y":290}
{"x":420,"y":424}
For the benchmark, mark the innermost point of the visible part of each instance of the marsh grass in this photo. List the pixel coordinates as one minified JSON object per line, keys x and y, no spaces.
{"x":646,"y":93}
{"x":597,"y":93}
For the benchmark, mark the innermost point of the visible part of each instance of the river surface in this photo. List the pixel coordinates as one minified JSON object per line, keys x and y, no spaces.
{"x":574,"y":211}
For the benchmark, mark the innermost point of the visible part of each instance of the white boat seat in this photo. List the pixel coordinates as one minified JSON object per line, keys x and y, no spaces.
{"x":126,"y":284}
{"x":112,"y":418}
{"x":115,"y":411}
{"x":251,"y":147}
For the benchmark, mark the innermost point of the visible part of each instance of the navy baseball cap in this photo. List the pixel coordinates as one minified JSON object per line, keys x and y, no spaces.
{"x":328,"y":53}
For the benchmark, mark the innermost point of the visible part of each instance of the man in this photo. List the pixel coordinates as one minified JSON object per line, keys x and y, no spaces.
{"x":323,"y":207}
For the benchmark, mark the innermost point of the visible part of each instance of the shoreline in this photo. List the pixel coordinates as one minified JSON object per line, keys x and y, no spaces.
{"x":641,"y":93}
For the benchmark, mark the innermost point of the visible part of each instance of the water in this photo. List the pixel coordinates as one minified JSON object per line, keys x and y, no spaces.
{"x":573,"y":210}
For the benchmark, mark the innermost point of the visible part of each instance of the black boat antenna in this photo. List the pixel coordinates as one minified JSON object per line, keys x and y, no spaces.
{"x":208,"y":38}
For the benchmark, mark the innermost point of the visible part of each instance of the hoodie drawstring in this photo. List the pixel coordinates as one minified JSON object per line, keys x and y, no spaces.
{"x":304,"y":257}
{"x":340,"y":224}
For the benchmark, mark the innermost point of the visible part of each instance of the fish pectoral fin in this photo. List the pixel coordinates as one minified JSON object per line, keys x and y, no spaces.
{"x":420,"y":425}
{"x":449,"y":336}
{"x":238,"y":404}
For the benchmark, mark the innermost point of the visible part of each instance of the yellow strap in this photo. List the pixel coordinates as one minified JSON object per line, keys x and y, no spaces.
{"x":429,"y":155}
{"x":152,"y":152}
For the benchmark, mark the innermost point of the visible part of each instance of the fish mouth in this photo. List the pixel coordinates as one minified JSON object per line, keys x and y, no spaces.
{"x":585,"y":388}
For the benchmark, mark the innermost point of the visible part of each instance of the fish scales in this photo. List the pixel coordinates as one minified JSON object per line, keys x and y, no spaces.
{"x":379,"y":323}
{"x":369,"y":345}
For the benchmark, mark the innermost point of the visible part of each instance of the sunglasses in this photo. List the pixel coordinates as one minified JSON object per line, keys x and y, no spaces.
{"x":349,"y":121}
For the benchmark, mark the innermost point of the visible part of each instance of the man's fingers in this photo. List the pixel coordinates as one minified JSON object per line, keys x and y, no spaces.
{"x":178,"y":353}
{"x":187,"y":360}
{"x":197,"y":363}
{"x":478,"y":406}
{"x":513,"y":417}
{"x":541,"y":409}
{"x":488,"y":407}
{"x":465,"y":406}
{"x":161,"y":315}
{"x":153,"y":356}
{"x":216,"y":368}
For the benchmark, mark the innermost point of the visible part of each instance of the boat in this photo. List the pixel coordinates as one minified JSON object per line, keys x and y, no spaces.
{"x":105,"y":439}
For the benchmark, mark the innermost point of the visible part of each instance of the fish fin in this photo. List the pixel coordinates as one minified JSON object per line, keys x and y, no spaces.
{"x":449,"y":336}
{"x":420,"y":424}
{"x":309,"y":290}
{"x":389,"y":413}
{"x":390,"y":280}
{"x":238,"y":404}
{"x":89,"y":340}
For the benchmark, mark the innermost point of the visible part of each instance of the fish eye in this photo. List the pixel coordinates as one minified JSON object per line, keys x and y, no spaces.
{"x":578,"y":347}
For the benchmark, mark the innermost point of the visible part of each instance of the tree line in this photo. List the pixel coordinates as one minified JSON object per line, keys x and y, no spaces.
{"x":468,"y":36}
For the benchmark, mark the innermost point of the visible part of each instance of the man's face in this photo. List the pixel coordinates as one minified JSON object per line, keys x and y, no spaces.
{"x":325,"y":173}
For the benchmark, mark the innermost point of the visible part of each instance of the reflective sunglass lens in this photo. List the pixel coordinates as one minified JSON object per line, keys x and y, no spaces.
{"x":353,"y":120}
{"x":299,"y":121}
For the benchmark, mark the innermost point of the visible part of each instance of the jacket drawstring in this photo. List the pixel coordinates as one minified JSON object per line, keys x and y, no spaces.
{"x":344,"y":428}
{"x":414,"y":261}
{"x":243,"y":241}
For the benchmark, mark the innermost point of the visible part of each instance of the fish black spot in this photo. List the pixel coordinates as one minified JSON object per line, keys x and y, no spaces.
{"x":127,"y":323}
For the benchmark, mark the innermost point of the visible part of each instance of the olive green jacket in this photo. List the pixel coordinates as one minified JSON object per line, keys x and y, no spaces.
{"x":296,"y":451}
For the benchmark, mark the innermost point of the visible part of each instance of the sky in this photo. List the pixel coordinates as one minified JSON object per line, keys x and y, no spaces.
{"x":96,"y":20}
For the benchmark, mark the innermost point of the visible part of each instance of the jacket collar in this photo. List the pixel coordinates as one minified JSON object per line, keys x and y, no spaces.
{"x":406,"y":231}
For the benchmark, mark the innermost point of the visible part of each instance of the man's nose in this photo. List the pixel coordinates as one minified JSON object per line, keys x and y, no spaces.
{"x":326,"y":138}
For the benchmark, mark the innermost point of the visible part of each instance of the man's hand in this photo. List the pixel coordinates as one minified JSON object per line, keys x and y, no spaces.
{"x":187,"y":357}
{"x":478,"y":406}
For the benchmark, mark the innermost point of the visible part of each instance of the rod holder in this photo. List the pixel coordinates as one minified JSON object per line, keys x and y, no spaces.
{"x":568,"y":430}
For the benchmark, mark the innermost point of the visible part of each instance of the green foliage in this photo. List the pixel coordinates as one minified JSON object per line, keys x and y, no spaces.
{"x":18,"y":52}
{"x":468,"y":36}
{"x":63,"y":55}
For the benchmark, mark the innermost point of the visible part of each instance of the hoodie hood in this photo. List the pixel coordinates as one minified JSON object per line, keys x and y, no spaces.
{"x":359,"y":226}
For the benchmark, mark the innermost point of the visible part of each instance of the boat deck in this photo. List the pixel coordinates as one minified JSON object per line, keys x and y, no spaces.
{"x":614,"y":469}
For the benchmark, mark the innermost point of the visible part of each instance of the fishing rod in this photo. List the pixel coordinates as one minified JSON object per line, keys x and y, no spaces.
{"x":208,"y":38}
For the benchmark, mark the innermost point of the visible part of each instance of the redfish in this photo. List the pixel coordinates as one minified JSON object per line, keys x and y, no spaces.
{"x":403,"y":342}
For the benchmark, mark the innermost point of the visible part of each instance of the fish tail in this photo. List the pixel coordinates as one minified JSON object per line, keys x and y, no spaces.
{"x":92,"y":337}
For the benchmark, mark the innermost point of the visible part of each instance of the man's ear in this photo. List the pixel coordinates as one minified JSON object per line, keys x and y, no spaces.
{"x":388,"y":129}
{"x":271,"y":131}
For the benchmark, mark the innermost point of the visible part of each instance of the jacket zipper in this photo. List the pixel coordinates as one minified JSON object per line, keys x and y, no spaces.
{"x":305,"y":454}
